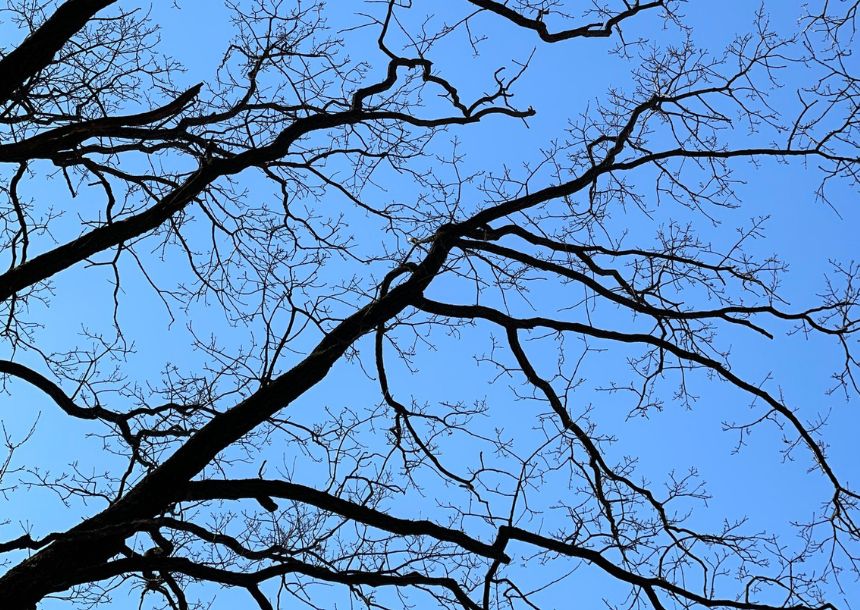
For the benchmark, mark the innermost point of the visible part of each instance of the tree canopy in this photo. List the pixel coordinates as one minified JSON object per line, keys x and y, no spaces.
{"x":470,"y":304}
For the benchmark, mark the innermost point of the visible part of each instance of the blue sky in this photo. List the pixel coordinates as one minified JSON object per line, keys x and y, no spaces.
{"x":562,"y":81}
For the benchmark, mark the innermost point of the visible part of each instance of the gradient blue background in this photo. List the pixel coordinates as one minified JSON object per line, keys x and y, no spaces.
{"x":754,"y":482}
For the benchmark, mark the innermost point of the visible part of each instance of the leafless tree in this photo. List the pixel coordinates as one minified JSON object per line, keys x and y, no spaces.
{"x":314,"y":227}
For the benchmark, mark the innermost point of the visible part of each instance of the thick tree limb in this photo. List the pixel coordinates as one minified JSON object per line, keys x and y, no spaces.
{"x":590,"y":30}
{"x":256,"y":488}
{"x":49,"y":143}
{"x":38,"y":49}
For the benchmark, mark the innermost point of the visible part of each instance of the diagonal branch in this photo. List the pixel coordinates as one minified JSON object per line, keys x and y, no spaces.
{"x":48,"y":143}
{"x":648,"y":583}
{"x":507,"y":322}
{"x":261,"y":488}
{"x":38,"y":49}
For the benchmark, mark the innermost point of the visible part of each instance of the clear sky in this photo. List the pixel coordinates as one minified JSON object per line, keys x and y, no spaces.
{"x":562,"y":82}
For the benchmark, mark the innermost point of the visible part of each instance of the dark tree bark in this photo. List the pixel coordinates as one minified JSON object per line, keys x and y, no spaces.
{"x":226,"y":193}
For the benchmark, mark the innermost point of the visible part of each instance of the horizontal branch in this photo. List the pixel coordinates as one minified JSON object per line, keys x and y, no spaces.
{"x":260,"y":488}
{"x":642,"y":306}
{"x":248,"y":579}
{"x":591,"y":30}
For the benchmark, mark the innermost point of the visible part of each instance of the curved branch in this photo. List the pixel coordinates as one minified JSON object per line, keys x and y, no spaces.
{"x":590,"y":30}
{"x":251,"y":579}
{"x":507,"y":322}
